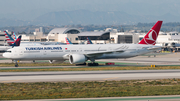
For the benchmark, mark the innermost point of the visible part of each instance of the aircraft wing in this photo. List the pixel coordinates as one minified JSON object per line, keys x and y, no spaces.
{"x":154,"y":48}
{"x":99,"y":53}
{"x":95,"y":54}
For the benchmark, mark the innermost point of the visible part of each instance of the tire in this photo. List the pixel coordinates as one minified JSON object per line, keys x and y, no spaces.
{"x":16,"y":65}
{"x":93,"y":64}
{"x":81,"y":64}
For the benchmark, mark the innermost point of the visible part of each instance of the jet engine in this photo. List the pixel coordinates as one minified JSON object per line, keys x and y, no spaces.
{"x":77,"y":58}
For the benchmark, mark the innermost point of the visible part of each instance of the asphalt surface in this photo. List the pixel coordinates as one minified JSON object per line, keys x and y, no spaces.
{"x":160,"y":59}
{"x":136,"y":98}
{"x":6,"y":77}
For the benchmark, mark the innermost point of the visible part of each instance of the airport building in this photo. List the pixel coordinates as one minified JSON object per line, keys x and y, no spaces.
{"x":59,"y":35}
{"x":165,"y":39}
{"x":76,"y":36}
{"x":97,"y":37}
{"x":124,"y":37}
{"x":55,"y":35}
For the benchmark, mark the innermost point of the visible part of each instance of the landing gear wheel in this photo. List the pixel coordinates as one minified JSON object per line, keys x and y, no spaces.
{"x":80,"y":64}
{"x":16,"y":65}
{"x":93,"y":64}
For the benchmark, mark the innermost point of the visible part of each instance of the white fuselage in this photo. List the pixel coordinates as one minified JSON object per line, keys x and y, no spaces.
{"x":62,"y":52}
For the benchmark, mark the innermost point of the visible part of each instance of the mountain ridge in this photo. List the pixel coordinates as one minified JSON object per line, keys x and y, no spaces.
{"x":86,"y":17}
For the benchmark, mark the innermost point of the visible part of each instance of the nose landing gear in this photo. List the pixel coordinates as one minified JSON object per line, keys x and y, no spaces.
{"x":16,"y":63}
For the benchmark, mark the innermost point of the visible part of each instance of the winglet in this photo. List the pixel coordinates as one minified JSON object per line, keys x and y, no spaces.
{"x":151,"y":36}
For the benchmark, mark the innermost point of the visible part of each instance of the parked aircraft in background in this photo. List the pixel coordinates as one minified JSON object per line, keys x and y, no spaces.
{"x":68,"y":41}
{"x":14,"y":35}
{"x":15,"y":43}
{"x":89,"y":41}
{"x":11,"y":40}
{"x":79,"y":54}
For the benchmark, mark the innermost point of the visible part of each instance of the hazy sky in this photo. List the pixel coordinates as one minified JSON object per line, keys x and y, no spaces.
{"x":143,"y":7}
{"x":28,"y":10}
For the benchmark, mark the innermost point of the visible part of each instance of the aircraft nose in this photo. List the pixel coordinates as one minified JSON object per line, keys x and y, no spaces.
{"x":7,"y":55}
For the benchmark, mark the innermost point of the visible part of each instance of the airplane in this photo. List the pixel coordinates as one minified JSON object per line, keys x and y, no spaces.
{"x":89,"y":41}
{"x":68,"y":41}
{"x":14,"y":35}
{"x":11,"y":40}
{"x":79,"y":54}
{"x":16,"y":43}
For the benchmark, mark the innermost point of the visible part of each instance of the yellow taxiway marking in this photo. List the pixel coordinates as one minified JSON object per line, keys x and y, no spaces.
{"x":110,"y":78}
{"x":11,"y":81}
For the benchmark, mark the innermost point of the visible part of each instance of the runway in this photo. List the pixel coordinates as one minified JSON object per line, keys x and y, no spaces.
{"x":160,"y":59}
{"x":6,"y":77}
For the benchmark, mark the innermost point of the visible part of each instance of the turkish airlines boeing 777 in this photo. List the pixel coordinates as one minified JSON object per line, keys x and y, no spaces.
{"x":79,"y":54}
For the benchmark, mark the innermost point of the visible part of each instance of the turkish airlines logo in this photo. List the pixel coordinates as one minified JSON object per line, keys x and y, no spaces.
{"x":151,"y":37}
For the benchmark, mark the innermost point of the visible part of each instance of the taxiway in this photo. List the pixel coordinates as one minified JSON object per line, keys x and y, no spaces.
{"x":87,"y":75}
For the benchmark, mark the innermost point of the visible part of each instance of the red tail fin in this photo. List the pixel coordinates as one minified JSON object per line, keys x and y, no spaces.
{"x":67,"y":42}
{"x":151,"y":36}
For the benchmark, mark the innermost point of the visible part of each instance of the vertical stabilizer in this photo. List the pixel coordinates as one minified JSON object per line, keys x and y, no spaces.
{"x":9,"y":39}
{"x":14,"y":35}
{"x":17,"y":42}
{"x":68,"y":41}
{"x":89,"y":41}
{"x":151,"y":36}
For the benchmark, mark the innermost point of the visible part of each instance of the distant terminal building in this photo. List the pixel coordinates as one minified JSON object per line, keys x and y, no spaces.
{"x":124,"y":37}
{"x":59,"y":35}
{"x":41,"y":29}
{"x":55,"y":35}
{"x":76,"y":36}
{"x":108,"y":35}
{"x":97,"y":37}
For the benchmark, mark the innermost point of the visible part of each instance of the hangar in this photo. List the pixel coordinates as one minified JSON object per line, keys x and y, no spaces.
{"x":65,"y":31}
{"x":59,"y":34}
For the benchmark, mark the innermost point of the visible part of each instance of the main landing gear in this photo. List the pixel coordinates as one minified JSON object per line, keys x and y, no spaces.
{"x":81,"y":64}
{"x":93,"y":63}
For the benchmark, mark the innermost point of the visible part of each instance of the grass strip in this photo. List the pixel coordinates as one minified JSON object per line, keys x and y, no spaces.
{"x":55,"y":90}
{"x":98,"y":68}
{"x":35,"y":64}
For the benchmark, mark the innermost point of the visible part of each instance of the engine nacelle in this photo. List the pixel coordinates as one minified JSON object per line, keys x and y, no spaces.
{"x":77,"y":58}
